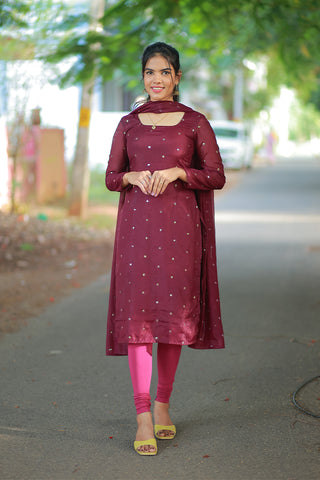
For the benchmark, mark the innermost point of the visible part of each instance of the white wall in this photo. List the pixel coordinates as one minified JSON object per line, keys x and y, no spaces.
{"x":102,"y":128}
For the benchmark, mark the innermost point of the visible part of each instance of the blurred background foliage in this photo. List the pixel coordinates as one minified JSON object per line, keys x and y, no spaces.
{"x":222,"y":34}
{"x":274,"y":43}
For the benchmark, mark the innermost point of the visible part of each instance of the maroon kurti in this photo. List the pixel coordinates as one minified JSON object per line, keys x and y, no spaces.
{"x":164,"y":284}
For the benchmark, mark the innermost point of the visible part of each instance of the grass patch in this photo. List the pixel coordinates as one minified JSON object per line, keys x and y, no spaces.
{"x":102,"y":205}
{"x":98,"y":193}
{"x":99,"y":221}
{"x":100,"y":218}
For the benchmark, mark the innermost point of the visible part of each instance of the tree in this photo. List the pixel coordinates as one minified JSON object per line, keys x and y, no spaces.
{"x":80,"y":169}
{"x":223,"y":33}
{"x":11,"y":13}
{"x":217,"y":31}
{"x":87,"y":66}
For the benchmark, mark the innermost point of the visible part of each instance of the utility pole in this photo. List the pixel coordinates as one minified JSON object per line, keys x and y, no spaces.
{"x":80,"y":170}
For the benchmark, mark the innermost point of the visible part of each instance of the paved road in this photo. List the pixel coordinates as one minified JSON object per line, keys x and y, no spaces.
{"x":66,"y":411}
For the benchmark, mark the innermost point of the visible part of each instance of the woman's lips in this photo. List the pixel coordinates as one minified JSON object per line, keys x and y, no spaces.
{"x":156,"y":89}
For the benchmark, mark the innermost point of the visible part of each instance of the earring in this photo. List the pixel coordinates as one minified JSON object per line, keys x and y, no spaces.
{"x":176,"y":90}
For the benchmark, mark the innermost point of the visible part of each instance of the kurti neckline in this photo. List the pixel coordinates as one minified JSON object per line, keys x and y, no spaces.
{"x":150,"y":124}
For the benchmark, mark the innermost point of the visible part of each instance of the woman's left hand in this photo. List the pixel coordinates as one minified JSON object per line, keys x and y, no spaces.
{"x":160,"y":179}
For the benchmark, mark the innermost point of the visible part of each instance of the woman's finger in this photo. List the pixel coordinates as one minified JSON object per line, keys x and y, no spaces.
{"x":142,"y":187}
{"x":144,"y":182}
{"x":141,"y":180}
{"x":164,"y":186}
{"x":155,"y":184}
{"x":152,"y":183}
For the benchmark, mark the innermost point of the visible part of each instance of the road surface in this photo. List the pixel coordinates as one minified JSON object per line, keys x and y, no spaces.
{"x":66,"y":411}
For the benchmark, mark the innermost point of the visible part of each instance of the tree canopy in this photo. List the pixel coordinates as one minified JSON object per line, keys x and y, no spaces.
{"x":223,"y":33}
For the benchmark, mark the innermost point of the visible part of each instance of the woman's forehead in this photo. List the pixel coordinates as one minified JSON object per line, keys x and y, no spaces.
{"x":158,"y":62}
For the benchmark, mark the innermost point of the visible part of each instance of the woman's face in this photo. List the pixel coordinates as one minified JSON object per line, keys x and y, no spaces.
{"x":160,"y":79}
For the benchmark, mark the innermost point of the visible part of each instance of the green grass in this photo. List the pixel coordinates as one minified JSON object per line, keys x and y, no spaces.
{"x":95,"y":219}
{"x":99,"y":221}
{"x":101,"y":205}
{"x":98,"y":193}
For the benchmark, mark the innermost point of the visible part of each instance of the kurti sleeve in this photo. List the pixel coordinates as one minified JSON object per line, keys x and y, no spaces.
{"x":209,"y":174}
{"x":118,"y":160}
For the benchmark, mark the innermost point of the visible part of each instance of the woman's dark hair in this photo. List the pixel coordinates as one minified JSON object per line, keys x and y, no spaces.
{"x":166,"y":51}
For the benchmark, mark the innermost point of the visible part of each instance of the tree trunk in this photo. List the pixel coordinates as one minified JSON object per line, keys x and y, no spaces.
{"x":15,"y":134}
{"x":13,"y":207}
{"x":80,"y":170}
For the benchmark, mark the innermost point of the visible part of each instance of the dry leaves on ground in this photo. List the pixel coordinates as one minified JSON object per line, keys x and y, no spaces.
{"x":42,"y":260}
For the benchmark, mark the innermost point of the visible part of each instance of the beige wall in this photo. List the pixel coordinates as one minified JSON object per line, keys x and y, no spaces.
{"x":50,"y":165}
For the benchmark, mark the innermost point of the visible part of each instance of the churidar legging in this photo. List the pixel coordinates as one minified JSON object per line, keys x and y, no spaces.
{"x":140,"y":365}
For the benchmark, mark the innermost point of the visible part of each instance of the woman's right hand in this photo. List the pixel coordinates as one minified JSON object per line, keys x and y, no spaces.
{"x":140,"y":179}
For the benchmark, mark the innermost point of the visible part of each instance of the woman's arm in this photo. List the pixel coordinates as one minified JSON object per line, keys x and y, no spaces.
{"x":118,"y":178}
{"x":118,"y":161}
{"x":209,"y":174}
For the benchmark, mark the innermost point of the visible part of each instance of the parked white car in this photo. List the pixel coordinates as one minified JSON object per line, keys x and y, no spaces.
{"x":234,"y":142}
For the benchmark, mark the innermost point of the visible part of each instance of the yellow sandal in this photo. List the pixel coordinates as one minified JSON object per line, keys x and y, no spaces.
{"x":139,"y":443}
{"x":170,"y":428}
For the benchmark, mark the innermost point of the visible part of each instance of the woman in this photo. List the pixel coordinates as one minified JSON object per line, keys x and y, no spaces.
{"x":165,"y":162}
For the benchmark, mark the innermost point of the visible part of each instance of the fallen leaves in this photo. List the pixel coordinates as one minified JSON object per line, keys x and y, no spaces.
{"x":41,"y":261}
{"x":26,"y":241}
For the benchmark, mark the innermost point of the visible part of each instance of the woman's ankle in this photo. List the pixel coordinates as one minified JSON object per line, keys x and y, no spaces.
{"x":161,"y":413}
{"x":159,"y":404}
{"x":145,"y":426}
{"x":144,"y":418}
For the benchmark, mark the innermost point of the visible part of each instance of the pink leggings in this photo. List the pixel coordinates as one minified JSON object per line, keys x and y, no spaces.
{"x":140,"y":365}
